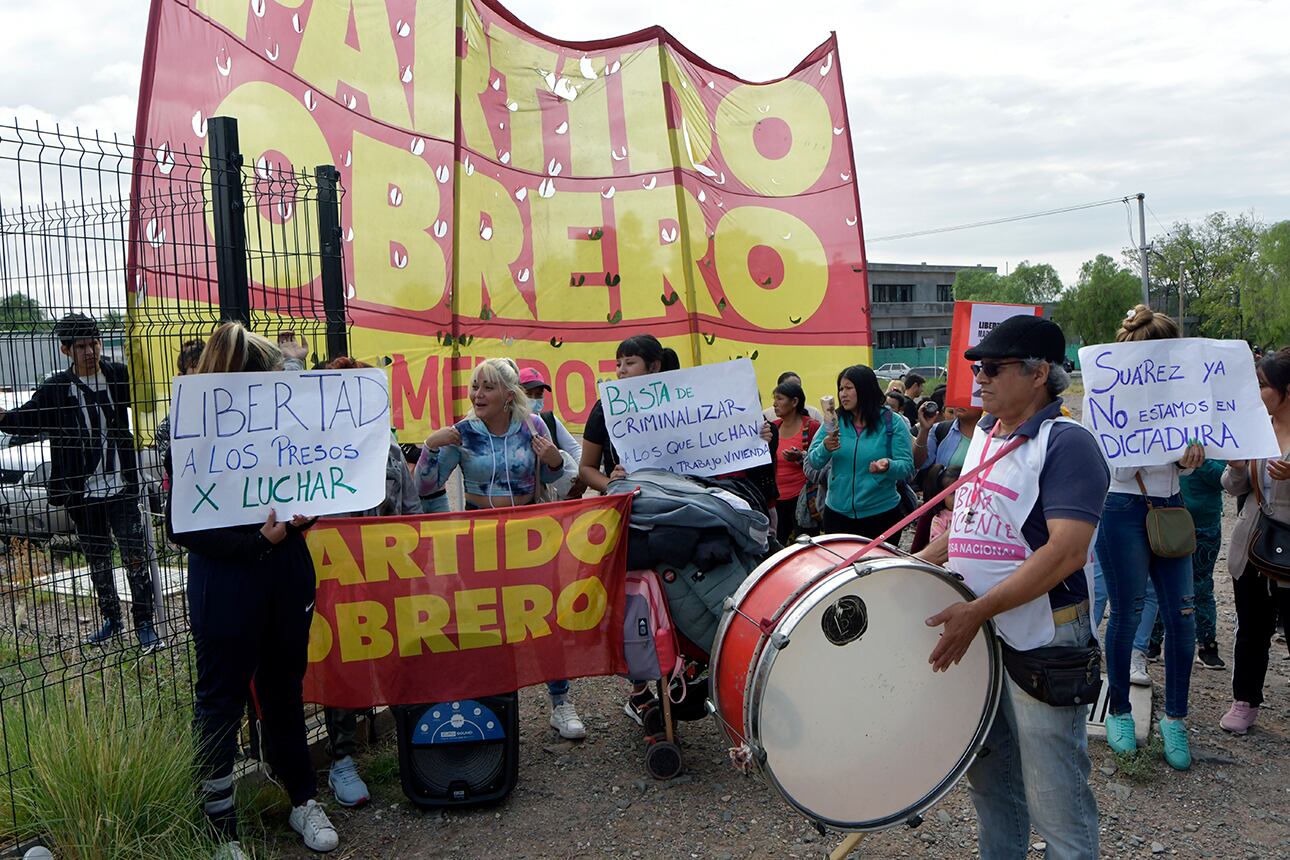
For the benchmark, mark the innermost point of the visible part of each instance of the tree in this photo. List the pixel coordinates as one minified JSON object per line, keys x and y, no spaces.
{"x":1265,"y":305}
{"x":1028,"y":284}
{"x":1093,"y":309}
{"x":20,"y":311}
{"x":113,"y":322}
{"x":1213,"y":257}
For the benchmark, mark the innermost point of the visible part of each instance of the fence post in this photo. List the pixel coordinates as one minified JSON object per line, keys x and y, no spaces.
{"x":333,"y":269}
{"x":228,"y":207}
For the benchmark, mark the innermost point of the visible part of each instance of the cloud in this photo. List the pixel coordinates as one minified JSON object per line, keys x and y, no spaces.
{"x":960,"y":111}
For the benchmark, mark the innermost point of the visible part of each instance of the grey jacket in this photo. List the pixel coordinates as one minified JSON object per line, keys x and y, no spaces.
{"x":675,"y":500}
{"x":1275,"y":504}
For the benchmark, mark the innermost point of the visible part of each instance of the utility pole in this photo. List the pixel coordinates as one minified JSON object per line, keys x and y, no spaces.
{"x":1182,"y":299}
{"x":1142,"y":232}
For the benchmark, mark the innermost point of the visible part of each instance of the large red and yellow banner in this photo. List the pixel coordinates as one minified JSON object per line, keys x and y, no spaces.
{"x":450,"y":606}
{"x":510,"y":194}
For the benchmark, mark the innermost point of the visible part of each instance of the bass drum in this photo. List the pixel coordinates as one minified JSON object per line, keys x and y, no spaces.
{"x":820,"y":676}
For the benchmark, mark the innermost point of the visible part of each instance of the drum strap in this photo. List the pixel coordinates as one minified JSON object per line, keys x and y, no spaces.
{"x":984,"y":467}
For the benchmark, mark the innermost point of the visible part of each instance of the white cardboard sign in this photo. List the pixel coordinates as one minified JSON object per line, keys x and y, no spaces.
{"x":300,"y":442}
{"x":697,"y":421}
{"x":1144,"y":401}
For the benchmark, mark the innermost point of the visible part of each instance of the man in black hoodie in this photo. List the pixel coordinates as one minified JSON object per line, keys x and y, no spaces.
{"x":83,"y":412}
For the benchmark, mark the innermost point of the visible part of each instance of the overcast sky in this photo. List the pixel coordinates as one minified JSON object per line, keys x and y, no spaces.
{"x":960,"y":111}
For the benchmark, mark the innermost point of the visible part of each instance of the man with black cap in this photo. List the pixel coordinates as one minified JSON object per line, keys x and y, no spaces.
{"x":1020,"y":538}
{"x":83,"y":412}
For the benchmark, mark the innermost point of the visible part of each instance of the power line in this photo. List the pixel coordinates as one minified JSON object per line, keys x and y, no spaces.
{"x":994,"y":221}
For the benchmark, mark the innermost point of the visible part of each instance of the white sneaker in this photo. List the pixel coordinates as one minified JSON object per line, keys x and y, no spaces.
{"x":311,"y":822}
{"x":565,"y":720}
{"x":1138,"y":669}
{"x":231,"y":851}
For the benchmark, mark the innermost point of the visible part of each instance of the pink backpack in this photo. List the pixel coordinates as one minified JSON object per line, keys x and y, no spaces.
{"x":649,"y":638}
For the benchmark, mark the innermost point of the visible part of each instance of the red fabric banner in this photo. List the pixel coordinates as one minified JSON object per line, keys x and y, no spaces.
{"x":972,"y":322}
{"x":452,"y":606}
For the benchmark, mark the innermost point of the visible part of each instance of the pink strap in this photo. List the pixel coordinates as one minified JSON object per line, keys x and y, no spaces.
{"x":1007,"y":449}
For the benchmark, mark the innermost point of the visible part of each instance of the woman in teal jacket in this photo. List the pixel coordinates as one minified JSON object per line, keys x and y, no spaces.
{"x":867,"y":452}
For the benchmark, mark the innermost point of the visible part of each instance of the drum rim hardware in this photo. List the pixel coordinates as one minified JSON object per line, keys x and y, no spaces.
{"x":784,"y":620}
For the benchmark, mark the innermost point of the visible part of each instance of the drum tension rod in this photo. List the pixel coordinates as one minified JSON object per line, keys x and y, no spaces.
{"x":778,"y":640}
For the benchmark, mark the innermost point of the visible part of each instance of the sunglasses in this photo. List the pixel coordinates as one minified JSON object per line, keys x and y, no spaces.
{"x":992,"y":368}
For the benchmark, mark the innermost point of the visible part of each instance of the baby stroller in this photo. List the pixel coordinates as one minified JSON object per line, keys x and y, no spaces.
{"x":658,"y":653}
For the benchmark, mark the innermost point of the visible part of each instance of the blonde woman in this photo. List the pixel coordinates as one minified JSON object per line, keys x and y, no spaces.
{"x":250,"y":604}
{"x":504,"y":452}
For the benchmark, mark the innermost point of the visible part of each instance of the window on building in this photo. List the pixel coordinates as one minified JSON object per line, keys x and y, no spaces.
{"x":897,"y":339}
{"x":944,"y":292}
{"x":893,"y":292}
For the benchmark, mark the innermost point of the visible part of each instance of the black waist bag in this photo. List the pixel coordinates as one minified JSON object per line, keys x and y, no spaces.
{"x":1057,"y":675}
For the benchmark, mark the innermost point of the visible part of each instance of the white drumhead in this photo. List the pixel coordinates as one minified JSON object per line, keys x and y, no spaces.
{"x":862,"y":735}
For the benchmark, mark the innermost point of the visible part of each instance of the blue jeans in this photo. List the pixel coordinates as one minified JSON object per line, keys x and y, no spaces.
{"x":1127,"y":562}
{"x":435,"y":504}
{"x":1150,"y":608}
{"x":1099,"y":591}
{"x":1034,"y":769}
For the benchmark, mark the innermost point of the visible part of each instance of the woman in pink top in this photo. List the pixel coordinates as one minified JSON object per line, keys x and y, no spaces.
{"x":796,"y":429}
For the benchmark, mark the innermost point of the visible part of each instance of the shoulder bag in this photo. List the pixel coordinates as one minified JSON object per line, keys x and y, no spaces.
{"x":1269,"y":550}
{"x":1170,"y":531}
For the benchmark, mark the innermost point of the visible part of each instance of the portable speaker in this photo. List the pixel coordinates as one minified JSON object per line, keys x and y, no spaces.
{"x":459,"y":753}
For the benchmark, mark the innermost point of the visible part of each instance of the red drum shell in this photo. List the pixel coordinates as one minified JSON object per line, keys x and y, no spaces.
{"x":767,"y":592}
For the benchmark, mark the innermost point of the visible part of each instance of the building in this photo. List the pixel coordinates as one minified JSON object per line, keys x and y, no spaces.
{"x":911,"y":306}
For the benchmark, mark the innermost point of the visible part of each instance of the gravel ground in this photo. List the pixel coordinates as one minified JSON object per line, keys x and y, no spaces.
{"x":594,"y":800}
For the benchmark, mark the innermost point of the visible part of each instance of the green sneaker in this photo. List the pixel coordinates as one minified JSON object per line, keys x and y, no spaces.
{"x":1177,"y":751}
{"x":1120,"y":733}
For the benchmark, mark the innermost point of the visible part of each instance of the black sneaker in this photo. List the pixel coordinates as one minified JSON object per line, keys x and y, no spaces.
{"x":1153,"y":652}
{"x":638,"y":703}
{"x":1207,"y":656}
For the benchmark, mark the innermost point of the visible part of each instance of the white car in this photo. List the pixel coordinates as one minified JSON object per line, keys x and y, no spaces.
{"x":25,"y":511}
{"x":892,"y":370}
{"x":24,"y":498}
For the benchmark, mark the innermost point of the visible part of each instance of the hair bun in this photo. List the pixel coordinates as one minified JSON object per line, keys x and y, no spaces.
{"x":1137,"y":317}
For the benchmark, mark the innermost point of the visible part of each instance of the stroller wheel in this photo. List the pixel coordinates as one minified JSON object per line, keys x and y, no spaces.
{"x":653,"y":720}
{"x":663,"y":760}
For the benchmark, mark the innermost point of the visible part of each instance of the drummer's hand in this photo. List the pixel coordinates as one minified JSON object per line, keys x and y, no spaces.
{"x":1194,"y":457}
{"x":877,"y":467}
{"x":961,"y":622}
{"x":833,"y":441}
{"x":1279,"y":470}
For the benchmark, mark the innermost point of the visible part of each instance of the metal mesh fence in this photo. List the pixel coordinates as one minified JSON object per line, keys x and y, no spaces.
{"x":78,"y":545}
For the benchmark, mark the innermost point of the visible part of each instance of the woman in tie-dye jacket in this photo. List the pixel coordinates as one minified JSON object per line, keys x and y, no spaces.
{"x":504,"y":452}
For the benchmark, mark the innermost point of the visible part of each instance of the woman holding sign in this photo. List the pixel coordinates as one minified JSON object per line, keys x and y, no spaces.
{"x":868,"y":450}
{"x":1266,"y":510}
{"x":505,"y":454}
{"x":250,"y":604}
{"x":1127,"y":556}
{"x":639,"y":355}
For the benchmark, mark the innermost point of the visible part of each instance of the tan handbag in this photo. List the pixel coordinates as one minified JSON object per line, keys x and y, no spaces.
{"x":1170,"y":531}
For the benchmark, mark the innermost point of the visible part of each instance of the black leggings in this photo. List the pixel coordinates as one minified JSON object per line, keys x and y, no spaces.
{"x":868,"y":527}
{"x":785,"y":525}
{"x":1258,"y":600}
{"x":251,"y":619}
